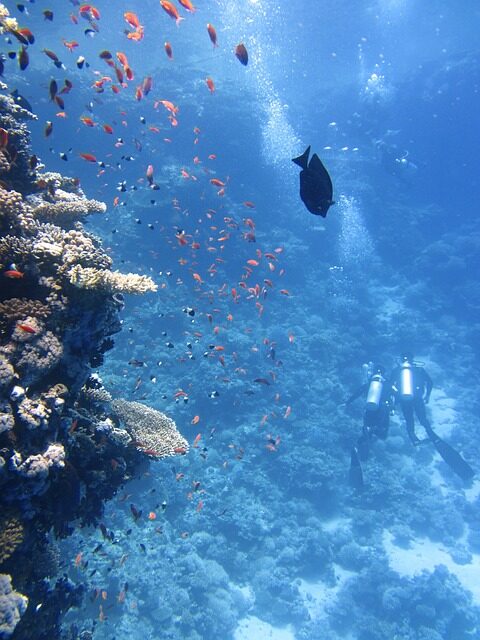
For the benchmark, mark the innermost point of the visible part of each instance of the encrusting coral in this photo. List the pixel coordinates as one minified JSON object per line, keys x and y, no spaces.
{"x":153,"y":432}
{"x":12,"y":607}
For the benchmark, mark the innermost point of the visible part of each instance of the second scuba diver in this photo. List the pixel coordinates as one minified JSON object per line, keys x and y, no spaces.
{"x":412,"y":387}
{"x":376,"y":418}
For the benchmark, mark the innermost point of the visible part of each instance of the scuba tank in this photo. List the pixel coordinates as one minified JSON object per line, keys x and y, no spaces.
{"x":367,"y":371}
{"x":375,"y":392}
{"x":406,"y":381}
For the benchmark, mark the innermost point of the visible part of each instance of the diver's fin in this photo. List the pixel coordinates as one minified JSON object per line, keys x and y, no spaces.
{"x":302,"y":160}
{"x":355,"y":475}
{"x":453,"y":458}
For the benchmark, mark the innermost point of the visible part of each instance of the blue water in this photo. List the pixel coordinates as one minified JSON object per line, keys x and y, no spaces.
{"x":262,"y":536}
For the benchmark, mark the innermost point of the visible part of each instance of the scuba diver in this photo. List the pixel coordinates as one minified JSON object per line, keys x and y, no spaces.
{"x":412,"y":387}
{"x":376,"y":418}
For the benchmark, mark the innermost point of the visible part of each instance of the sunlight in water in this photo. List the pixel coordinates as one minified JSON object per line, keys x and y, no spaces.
{"x":280,"y":142}
{"x":355,"y":243}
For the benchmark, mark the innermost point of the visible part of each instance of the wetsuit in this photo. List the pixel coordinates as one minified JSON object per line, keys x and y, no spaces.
{"x":376,"y":420}
{"x":422,"y":388}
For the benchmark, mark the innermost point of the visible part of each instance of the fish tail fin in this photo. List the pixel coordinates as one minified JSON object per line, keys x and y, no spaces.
{"x":302,"y":160}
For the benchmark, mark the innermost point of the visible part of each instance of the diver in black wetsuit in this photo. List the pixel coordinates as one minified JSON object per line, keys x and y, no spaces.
{"x":376,"y":419}
{"x":412,"y":387}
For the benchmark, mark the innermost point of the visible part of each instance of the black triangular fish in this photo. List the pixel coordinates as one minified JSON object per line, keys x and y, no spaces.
{"x":316,"y":189}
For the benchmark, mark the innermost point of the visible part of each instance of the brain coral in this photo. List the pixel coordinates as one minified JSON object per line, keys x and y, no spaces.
{"x":154,"y":432}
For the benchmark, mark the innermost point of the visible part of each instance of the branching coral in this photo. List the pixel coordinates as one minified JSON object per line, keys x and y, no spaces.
{"x":11,"y":533}
{"x":15,"y":309}
{"x":12,"y":606}
{"x":154,"y":432}
{"x":110,"y":281}
{"x":14,"y":249}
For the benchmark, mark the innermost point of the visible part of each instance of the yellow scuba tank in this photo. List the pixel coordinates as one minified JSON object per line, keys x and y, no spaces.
{"x":375,"y":392}
{"x":406,"y":381}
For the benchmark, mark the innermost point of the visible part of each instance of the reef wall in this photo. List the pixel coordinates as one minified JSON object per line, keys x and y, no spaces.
{"x":64,"y":447}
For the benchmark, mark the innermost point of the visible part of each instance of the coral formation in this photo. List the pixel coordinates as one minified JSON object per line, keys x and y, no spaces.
{"x":66,"y":209}
{"x":12,"y":607}
{"x":110,"y":281}
{"x":153,"y":432}
{"x":61,"y":455}
{"x":11,"y":534}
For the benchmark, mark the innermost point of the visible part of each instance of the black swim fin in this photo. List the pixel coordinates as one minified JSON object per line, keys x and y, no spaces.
{"x":302,"y":160}
{"x":452,"y":458}
{"x":355,"y":475}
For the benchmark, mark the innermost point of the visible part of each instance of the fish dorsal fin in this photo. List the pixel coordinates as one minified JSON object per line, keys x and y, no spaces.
{"x":302,"y":160}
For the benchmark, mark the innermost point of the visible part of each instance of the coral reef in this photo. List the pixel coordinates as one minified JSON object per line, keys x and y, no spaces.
{"x":61,"y":453}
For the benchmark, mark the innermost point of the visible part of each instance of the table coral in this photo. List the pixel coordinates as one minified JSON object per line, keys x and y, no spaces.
{"x":154,"y":432}
{"x":66,"y":209}
{"x":110,"y":281}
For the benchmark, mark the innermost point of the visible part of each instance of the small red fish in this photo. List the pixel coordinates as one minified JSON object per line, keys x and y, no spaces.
{"x":13,"y":274}
{"x":212,"y":34}
{"x":186,"y":4}
{"x":242,"y":54}
{"x":27,"y":328}
{"x":23,"y":58}
{"x":196,"y":441}
{"x":210,"y":84}
{"x":169,"y":50}
{"x":89,"y":157}
{"x":132,"y":19}
{"x":172,"y":11}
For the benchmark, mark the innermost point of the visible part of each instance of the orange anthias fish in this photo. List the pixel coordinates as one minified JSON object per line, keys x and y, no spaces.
{"x":212,"y":34}
{"x":242,"y":54}
{"x":172,"y":11}
{"x":186,"y":4}
{"x":132,"y":19}
{"x":169,"y":50}
{"x":89,"y":157}
{"x":210,"y":84}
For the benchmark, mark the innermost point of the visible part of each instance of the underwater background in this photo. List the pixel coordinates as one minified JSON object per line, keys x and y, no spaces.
{"x":265,"y":314}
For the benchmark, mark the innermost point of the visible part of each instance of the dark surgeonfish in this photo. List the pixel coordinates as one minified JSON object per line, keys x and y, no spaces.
{"x":316,"y":189}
